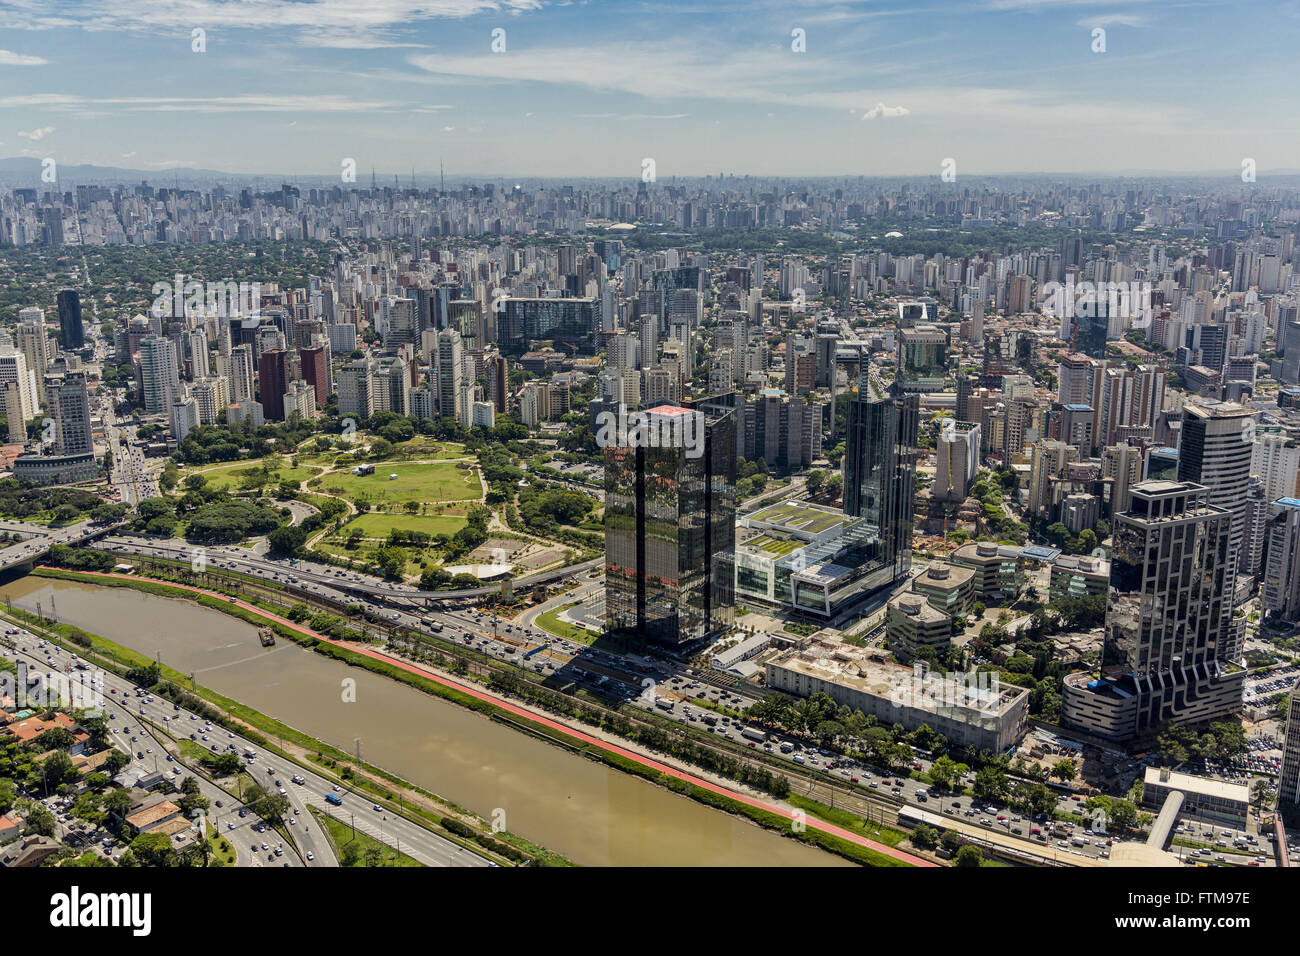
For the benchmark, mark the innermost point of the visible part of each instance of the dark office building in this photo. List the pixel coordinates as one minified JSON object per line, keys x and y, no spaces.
{"x":880,"y":470}
{"x":1162,"y":657}
{"x":272,"y":383}
{"x":571,"y":324}
{"x":498,"y":382}
{"x":316,"y":372}
{"x":828,"y":344}
{"x":670,"y":526}
{"x":71,"y":330}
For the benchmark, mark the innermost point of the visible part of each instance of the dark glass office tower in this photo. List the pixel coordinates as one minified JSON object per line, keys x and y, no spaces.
{"x":1162,"y":656}
{"x":670,"y":525}
{"x":1166,"y":582}
{"x":880,"y":469}
{"x":73,"y":332}
{"x":273,"y":382}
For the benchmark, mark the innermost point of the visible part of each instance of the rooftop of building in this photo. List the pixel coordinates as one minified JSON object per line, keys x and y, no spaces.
{"x":944,"y":576}
{"x":860,"y":669}
{"x":918,"y":608}
{"x":1203,"y":786}
{"x":1212,"y":408}
{"x":1083,"y":563}
{"x":800,"y":517}
{"x":150,"y":815}
{"x":824,"y":572}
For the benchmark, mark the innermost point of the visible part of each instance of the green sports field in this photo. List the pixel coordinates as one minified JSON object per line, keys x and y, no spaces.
{"x":436,"y":481}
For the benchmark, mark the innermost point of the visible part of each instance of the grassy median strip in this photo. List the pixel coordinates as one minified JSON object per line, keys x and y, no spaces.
{"x":354,"y":848}
{"x":430,"y":685}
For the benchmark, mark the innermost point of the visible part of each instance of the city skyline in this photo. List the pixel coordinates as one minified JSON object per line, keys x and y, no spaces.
{"x":284,"y":88}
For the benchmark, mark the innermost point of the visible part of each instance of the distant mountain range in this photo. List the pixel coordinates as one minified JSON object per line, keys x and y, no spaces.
{"x":25,"y":171}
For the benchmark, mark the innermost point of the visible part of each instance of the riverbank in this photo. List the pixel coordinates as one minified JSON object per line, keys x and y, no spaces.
{"x":400,"y":797}
{"x":785,"y":820}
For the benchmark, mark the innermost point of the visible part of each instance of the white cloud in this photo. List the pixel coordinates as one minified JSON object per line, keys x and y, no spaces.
{"x":326,"y":23}
{"x":1113,"y":20}
{"x":881,"y":110}
{"x":36,"y":135}
{"x":680,"y":71}
{"x":9,"y":58}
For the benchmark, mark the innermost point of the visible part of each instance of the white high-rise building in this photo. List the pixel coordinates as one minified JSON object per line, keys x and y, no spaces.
{"x":34,"y":342}
{"x":241,"y":374}
{"x":196,"y":344}
{"x":11,"y":405}
{"x":300,"y":400}
{"x":450,"y":373}
{"x":158,"y":374}
{"x":183,"y":416}
{"x":356,"y":389}
{"x":13,"y":368}
{"x":72,"y":406}
{"x":1276,"y":459}
{"x":212,"y":395}
{"x":958,"y":455}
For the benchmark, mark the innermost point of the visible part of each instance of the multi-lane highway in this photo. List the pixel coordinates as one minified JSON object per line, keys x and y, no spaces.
{"x":337,"y":579}
{"x":125,"y":705}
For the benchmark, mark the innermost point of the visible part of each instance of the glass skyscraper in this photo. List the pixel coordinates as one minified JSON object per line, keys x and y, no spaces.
{"x":1167,"y":616}
{"x":71,"y":328}
{"x":670,"y":525}
{"x":880,"y":471}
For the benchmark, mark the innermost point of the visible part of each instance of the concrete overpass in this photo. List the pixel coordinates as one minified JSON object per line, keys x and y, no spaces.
{"x":26,"y":554}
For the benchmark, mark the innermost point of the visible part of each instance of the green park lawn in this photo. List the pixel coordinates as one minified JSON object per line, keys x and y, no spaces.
{"x":229,"y":476}
{"x":435,"y":450}
{"x":436,"y":481}
{"x":379,"y":524}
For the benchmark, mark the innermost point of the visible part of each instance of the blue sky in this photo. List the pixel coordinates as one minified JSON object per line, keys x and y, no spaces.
{"x":590,"y":88}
